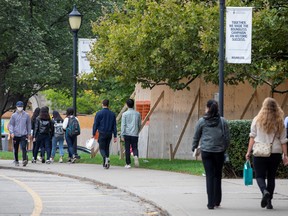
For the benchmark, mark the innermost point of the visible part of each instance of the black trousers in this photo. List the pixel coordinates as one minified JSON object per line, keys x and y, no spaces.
{"x":266,"y":167}
{"x":22,"y":141}
{"x":104,"y":144}
{"x":213,"y":165}
{"x":130,"y":141}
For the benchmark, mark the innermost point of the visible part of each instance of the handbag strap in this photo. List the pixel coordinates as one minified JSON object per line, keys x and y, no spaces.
{"x":273,"y":138}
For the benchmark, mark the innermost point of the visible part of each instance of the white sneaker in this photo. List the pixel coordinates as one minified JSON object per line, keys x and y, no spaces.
{"x":48,"y":162}
{"x":60,"y":160}
{"x":107,"y":163}
{"x":127,"y":166}
{"x":39,"y":158}
{"x":51,"y":160}
{"x":136,"y":161}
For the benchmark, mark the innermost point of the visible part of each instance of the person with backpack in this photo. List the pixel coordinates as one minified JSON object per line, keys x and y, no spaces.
{"x":105,"y":124}
{"x":71,"y":127}
{"x":58,"y":136}
{"x":44,"y":130}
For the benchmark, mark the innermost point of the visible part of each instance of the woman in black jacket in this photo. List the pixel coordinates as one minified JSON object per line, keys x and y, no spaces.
{"x":33,"y":122}
{"x":43,"y":134}
{"x":213,"y":132}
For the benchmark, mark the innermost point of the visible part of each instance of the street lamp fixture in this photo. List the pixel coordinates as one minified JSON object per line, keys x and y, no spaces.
{"x":75,"y":19}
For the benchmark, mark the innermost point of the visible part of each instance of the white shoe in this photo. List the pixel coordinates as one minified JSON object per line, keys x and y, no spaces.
{"x":60,"y":160}
{"x":127,"y":166}
{"x":39,"y":158}
{"x":136,"y":161}
{"x":51,"y":160}
{"x":48,"y":162}
{"x":107,"y":163}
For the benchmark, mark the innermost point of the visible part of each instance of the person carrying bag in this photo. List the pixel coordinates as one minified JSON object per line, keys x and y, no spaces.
{"x":268,"y":124}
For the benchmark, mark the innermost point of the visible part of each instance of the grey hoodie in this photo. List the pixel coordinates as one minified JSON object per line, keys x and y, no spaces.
{"x":20,"y":124}
{"x":209,"y":133}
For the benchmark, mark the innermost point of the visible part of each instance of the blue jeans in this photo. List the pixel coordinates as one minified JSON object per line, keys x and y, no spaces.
{"x":22,"y":141}
{"x":213,"y":165}
{"x":70,"y":142}
{"x":55,"y":140}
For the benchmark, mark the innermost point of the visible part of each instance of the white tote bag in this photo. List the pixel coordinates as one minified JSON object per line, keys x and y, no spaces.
{"x":90,"y":143}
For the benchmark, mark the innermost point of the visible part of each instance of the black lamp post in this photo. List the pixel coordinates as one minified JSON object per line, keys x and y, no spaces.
{"x":75,"y":19}
{"x":221,"y":58}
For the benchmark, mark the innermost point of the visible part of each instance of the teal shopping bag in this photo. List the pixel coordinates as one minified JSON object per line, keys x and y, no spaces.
{"x":248,"y":173}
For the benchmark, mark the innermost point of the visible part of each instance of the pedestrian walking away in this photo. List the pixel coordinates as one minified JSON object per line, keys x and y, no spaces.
{"x":71,"y":127}
{"x":268,"y":127}
{"x":33,"y":123}
{"x":105,"y":124}
{"x":20,"y":131}
{"x":43,"y":134}
{"x":210,"y":130}
{"x":130,"y":128}
{"x":58,"y":137}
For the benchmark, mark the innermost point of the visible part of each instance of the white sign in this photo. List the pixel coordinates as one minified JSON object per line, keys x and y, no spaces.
{"x":84,"y":46}
{"x":238,"y":34}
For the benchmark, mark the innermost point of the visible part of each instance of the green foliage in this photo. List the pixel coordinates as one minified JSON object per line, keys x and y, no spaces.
{"x":150,"y":42}
{"x":90,"y":95}
{"x":172,"y":42}
{"x":112,"y":88}
{"x":239,"y":139}
{"x":36,"y":45}
{"x":86,"y":101}
{"x":239,"y":135}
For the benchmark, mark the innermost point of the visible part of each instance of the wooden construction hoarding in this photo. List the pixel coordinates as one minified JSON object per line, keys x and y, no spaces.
{"x":169,"y":133}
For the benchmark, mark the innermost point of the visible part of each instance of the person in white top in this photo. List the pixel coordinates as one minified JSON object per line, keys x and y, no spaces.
{"x":268,"y":127}
{"x":70,"y":139}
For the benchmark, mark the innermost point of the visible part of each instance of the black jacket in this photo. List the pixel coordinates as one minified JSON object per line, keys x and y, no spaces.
{"x":43,"y":127}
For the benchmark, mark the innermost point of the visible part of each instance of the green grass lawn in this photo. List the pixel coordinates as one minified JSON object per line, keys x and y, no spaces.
{"x":182,"y":166}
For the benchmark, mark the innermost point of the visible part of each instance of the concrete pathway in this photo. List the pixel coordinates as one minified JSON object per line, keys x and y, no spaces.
{"x":177,"y":194}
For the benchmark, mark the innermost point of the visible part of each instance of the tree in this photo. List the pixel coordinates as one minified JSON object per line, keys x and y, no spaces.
{"x":36,"y":46}
{"x":173,"y":42}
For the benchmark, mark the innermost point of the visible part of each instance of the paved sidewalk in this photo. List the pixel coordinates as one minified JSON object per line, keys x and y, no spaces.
{"x":178,"y":194}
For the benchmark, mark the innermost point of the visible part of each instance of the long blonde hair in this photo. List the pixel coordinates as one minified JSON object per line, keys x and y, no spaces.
{"x":270,"y":117}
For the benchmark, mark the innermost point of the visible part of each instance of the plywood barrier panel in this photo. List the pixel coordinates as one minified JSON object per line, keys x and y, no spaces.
{"x":167,"y":121}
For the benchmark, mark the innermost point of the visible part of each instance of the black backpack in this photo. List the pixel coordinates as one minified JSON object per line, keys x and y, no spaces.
{"x":44,"y":127}
{"x":73,"y":128}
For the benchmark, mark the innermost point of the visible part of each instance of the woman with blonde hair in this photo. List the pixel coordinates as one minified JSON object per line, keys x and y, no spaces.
{"x":268,"y":127}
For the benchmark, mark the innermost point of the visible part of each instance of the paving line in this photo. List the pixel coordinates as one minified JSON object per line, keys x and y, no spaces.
{"x":38,"y":206}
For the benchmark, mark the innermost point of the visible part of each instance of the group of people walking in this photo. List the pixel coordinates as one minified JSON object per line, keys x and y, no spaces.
{"x":45,"y":132}
{"x":105,"y":124}
{"x":267,"y":127}
{"x":211,"y":134}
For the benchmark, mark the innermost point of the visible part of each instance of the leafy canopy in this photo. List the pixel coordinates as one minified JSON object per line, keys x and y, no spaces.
{"x":171,"y":42}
